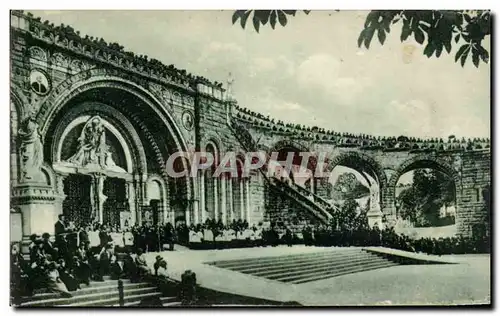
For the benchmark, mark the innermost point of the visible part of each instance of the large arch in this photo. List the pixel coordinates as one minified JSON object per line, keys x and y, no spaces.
{"x":359,"y":162}
{"x":144,"y":128}
{"x":96,"y":79}
{"x":420,"y":162}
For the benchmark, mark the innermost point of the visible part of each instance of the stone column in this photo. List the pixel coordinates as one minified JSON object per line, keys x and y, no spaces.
{"x":196,"y":210}
{"x":131,"y":202}
{"x":216,"y":199}
{"x":231,"y":200}
{"x":202,"y":197}
{"x":101,"y":197}
{"x":242,"y":198}
{"x":313,"y":184}
{"x":223,"y":205}
{"x":247,"y":200}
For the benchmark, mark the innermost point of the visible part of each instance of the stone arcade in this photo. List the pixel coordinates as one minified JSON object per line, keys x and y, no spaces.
{"x":92,"y":127}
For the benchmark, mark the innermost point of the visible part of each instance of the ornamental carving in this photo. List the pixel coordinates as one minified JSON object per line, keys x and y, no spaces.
{"x":92,"y":149}
{"x":60,"y":60}
{"x":38,"y":53}
{"x":163,"y":94}
{"x":31,"y":151}
{"x":187,"y":120}
{"x":39,"y":82}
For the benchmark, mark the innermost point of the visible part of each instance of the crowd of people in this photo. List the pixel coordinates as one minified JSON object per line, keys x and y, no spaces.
{"x":365,"y":139}
{"x":216,"y":235}
{"x":78,"y":255}
{"x":75,"y":256}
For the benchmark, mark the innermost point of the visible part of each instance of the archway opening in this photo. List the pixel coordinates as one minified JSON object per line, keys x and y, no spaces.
{"x":426,"y":199}
{"x":138,"y":141}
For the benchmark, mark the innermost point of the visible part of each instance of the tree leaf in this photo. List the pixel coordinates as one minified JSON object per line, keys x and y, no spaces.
{"x":429,"y":49}
{"x":369,"y":36}
{"x":244,"y":18}
{"x":475,"y":57}
{"x":439,"y":49}
{"x":290,"y":12}
{"x":256,"y":22}
{"x":457,"y":38}
{"x":483,"y":53}
{"x":282,"y":18}
{"x":237,"y":14}
{"x":372,"y":18}
{"x":381,"y":36}
{"x":461,"y":51}
{"x":463,"y":58}
{"x":419,"y":35}
{"x":447,"y":46}
{"x":467,"y":17}
{"x":263,"y":16}
{"x":361,"y":37}
{"x":272,"y":18}
{"x":406,"y":31}
{"x":307,"y":11}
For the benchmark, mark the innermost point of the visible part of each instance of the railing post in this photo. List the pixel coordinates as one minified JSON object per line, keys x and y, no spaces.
{"x":120,"y":293}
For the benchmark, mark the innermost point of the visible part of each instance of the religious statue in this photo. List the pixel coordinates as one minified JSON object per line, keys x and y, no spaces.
{"x":31,"y":150}
{"x":230,"y":81}
{"x":92,"y":149}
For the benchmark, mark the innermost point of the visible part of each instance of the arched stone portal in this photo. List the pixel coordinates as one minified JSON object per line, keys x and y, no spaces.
{"x":117,"y":136}
{"x":423,"y":162}
{"x":370,"y":170}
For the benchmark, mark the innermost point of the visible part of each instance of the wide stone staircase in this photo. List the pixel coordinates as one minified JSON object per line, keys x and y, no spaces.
{"x":102,"y":294}
{"x":308,"y":267}
{"x":315,"y":205}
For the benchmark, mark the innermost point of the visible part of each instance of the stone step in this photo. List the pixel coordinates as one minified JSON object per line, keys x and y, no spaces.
{"x":112,"y":301}
{"x":285,"y":259}
{"x":337,"y":273}
{"x":316,"y":265}
{"x":109,"y":294}
{"x":167,"y":301}
{"x":305,"y":262}
{"x":285,"y":275}
{"x":94,"y":287}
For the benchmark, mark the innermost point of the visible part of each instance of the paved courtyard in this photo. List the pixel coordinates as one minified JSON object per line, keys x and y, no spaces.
{"x":464,"y":283}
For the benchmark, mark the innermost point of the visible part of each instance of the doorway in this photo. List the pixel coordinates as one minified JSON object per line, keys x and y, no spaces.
{"x":77,"y":206}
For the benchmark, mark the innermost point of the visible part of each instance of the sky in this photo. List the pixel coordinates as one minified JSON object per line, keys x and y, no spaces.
{"x":311,"y":71}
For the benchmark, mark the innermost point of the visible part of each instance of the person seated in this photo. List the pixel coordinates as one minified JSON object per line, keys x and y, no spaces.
{"x":162,"y":269}
{"x":20,"y":284}
{"x":104,"y":258}
{"x":117,"y":269}
{"x":32,"y":245}
{"x":94,"y":240}
{"x":130,"y":267}
{"x":48,"y":246}
{"x":128,"y":240}
{"x":156,"y":265}
{"x":117,"y":239}
{"x":81,"y":271}
{"x":54,"y":282}
{"x":67,"y":277}
{"x":83,"y":236}
{"x":104,"y":237}
{"x":142,"y":266}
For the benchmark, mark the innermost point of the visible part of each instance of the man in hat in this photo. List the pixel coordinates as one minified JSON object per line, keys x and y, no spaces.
{"x":60,"y":225}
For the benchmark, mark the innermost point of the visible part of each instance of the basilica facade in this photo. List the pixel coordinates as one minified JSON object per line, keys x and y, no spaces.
{"x":92,"y":128}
